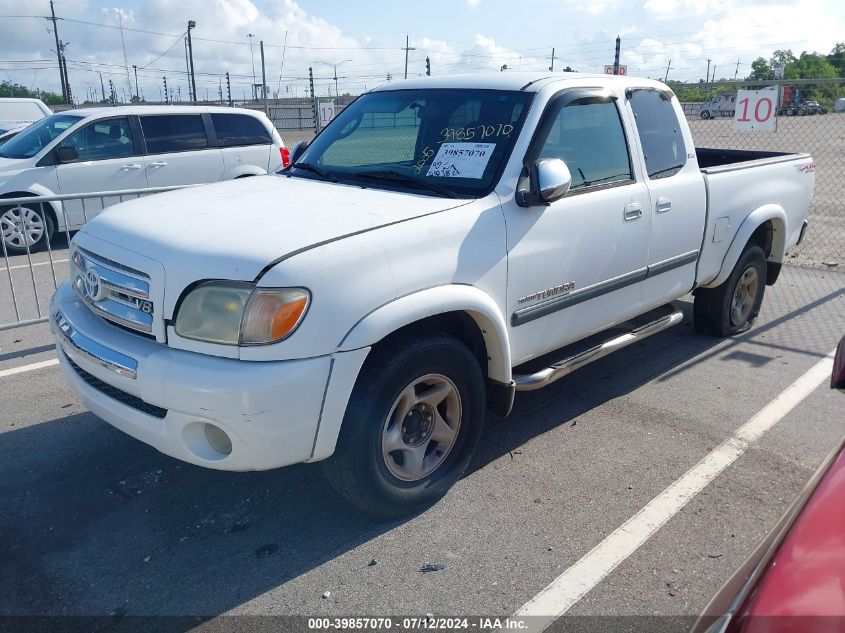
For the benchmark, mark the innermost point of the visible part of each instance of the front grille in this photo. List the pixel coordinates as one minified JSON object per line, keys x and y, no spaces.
{"x":117,"y":394}
{"x":113,"y":291}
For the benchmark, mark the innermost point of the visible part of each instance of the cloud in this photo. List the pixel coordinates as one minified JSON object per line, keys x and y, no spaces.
{"x":473,"y":4}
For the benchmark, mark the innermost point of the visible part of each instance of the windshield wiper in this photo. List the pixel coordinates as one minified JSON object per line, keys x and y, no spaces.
{"x":316,"y":170}
{"x":399,"y":177}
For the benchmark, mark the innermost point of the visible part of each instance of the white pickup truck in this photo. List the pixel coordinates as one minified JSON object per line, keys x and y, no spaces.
{"x":443,"y":243}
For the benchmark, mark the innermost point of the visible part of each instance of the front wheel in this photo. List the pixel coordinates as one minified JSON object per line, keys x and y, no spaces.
{"x":23,"y":227}
{"x":705,"y":114}
{"x":733,"y":306}
{"x":411,"y":425}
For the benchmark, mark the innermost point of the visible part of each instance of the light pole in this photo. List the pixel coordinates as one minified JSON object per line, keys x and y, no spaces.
{"x":252,"y":57}
{"x":334,"y":66}
{"x":192,"y":25}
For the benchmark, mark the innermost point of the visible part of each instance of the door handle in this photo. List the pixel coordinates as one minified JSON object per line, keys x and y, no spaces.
{"x":664,"y":204}
{"x":633,"y":211}
{"x":159,"y":163}
{"x":130,"y":166}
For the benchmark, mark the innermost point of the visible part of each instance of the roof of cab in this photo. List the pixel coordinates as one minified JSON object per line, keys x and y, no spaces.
{"x":157,"y":109}
{"x":526,"y":81}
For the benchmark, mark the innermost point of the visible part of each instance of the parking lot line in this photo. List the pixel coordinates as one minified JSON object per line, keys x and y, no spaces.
{"x":20,"y":266}
{"x":574,"y":583}
{"x":19,"y":370}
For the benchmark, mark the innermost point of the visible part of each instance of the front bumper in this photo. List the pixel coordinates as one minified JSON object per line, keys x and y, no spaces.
{"x":270,"y":411}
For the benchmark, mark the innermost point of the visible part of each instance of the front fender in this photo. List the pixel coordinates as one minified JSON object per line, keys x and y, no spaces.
{"x":768,"y":212}
{"x":438,"y":300}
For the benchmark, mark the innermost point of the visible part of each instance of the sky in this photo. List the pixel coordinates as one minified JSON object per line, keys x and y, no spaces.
{"x":363,"y":41}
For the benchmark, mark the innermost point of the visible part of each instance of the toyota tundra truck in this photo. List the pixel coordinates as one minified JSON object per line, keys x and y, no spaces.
{"x":442,"y":244}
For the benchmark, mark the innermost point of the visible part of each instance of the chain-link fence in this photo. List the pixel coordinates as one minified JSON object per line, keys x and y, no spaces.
{"x":810,"y":119}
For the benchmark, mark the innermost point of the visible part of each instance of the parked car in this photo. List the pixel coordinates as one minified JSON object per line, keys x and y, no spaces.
{"x":723,"y":104}
{"x":443,"y":243}
{"x":793,"y":581}
{"x":16,"y":112}
{"x":134,"y":147}
{"x":8,"y":134}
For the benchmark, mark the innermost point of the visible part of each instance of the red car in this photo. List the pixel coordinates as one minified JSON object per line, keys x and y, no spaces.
{"x":795,"y":579}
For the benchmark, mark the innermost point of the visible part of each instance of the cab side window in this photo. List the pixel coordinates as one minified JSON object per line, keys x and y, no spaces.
{"x":167,"y":133}
{"x":588,"y":136}
{"x":102,"y":140}
{"x":659,"y":132}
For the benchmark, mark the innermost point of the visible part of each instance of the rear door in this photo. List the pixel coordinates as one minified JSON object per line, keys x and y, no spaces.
{"x":179,"y":151}
{"x":244,"y":140}
{"x":109,"y":160}
{"x":676,"y":189}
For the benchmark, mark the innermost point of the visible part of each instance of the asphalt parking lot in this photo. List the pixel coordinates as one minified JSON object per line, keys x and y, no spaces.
{"x":95,"y":523}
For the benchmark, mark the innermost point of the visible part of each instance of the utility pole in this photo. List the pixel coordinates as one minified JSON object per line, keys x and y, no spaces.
{"x":137,"y":96}
{"x":736,"y":72}
{"x":666,"y":76}
{"x":123,"y":44}
{"x":63,"y":68}
{"x":103,"y":86}
{"x":252,"y":57}
{"x":552,"y":67}
{"x":428,"y":66}
{"x":707,"y":78}
{"x":192,"y":25}
{"x":264,"y":80}
{"x":166,"y":98}
{"x":616,"y":57}
{"x":313,"y":100}
{"x":714,"y":74}
{"x":220,"y":90}
{"x":229,"y":91}
{"x":406,"y":49}
{"x":58,"y":53}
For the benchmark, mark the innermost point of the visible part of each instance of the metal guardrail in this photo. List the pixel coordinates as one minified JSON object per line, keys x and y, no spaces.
{"x":12,"y":204}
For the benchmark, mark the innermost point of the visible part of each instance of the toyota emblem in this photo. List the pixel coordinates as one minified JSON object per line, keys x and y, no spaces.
{"x":93,"y":285}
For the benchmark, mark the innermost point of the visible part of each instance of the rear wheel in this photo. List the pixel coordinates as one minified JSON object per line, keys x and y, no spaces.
{"x":23,"y":226}
{"x":411,"y":425}
{"x":732,"y":307}
{"x":705,"y":114}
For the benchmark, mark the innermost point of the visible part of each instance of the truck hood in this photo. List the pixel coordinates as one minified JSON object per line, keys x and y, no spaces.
{"x":234,"y":229}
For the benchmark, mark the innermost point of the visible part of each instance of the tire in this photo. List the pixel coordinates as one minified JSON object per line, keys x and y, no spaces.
{"x":705,"y":114}
{"x":39,"y":229}
{"x":387,"y":483}
{"x":716,"y":311}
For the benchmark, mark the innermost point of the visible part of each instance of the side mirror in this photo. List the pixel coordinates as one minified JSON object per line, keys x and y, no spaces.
{"x":837,"y":378}
{"x":297,"y":150}
{"x":550,"y":179}
{"x":66,"y":154}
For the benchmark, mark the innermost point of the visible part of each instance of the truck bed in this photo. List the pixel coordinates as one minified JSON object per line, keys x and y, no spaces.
{"x":710,"y":157}
{"x":740,"y":182}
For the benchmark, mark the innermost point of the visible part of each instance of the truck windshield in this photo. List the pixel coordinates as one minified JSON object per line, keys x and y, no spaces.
{"x":437,"y":141}
{"x":37,"y":136}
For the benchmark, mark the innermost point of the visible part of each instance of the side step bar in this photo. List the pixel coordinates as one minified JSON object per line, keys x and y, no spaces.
{"x":669,"y":315}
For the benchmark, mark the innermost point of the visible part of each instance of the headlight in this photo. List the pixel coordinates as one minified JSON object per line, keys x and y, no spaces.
{"x":232,"y":313}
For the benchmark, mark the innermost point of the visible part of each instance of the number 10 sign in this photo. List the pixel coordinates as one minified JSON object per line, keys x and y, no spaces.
{"x":756,"y":109}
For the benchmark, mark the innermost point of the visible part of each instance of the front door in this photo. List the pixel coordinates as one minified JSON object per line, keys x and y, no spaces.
{"x":109,"y":160}
{"x":576,"y":266}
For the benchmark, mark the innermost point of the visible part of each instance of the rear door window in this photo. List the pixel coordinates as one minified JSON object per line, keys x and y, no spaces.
{"x":660,"y":133}
{"x":236,"y":130}
{"x":167,"y":133}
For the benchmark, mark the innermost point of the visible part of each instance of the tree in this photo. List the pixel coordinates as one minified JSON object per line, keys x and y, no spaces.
{"x":810,"y":66}
{"x":782,"y":58}
{"x":837,"y":58}
{"x":10,"y":89}
{"x":761,"y":70}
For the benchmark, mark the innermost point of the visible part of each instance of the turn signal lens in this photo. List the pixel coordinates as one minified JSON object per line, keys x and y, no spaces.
{"x":272,"y":315}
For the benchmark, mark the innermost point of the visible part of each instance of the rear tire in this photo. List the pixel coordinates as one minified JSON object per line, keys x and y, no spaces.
{"x":394,"y":456}
{"x":732,"y":307}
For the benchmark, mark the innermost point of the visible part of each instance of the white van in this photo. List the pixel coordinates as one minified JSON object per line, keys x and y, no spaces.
{"x":17,"y":113}
{"x":133,"y":147}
